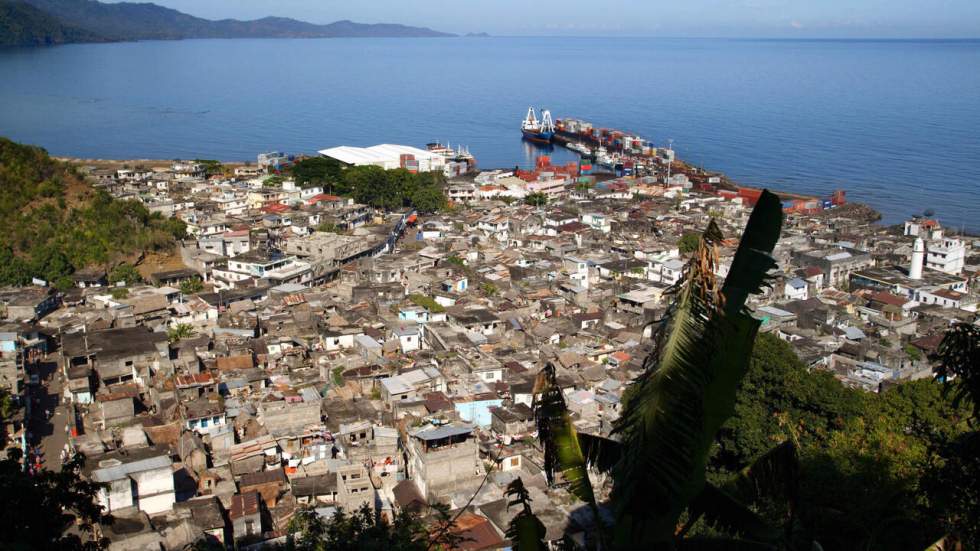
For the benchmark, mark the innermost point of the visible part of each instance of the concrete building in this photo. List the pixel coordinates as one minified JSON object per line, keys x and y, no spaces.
{"x":947,"y":255}
{"x":262,"y":265}
{"x":141,"y":478}
{"x":443,"y":460}
{"x":354,"y":488}
{"x":837,"y":264}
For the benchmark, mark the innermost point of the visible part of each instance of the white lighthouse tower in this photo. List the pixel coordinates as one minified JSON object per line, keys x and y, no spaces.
{"x":918,"y":259}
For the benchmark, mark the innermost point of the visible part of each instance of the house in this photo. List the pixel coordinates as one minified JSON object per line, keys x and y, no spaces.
{"x":795,"y":289}
{"x":354,"y":488}
{"x":246,"y":515}
{"x":268,"y":484}
{"x":443,"y":460}
{"x":412,"y":385}
{"x":141,"y":478}
{"x":204,"y":416}
{"x":409,"y":338}
{"x":511,"y":420}
{"x":26,"y":303}
{"x":479,"y":320}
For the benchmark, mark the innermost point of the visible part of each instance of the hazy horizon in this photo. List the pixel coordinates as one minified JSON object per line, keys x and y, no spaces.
{"x":694,"y":19}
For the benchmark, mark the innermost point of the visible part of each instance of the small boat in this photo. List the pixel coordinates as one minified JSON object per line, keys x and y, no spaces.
{"x":538,"y":131}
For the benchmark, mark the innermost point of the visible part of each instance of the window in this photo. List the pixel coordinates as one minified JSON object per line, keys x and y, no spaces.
{"x":515,"y":461}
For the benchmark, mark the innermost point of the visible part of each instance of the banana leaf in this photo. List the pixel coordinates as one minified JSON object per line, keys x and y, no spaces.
{"x":526,"y":531}
{"x":775,"y":473}
{"x":722,"y":511}
{"x":558,"y":437}
{"x":687,"y":391}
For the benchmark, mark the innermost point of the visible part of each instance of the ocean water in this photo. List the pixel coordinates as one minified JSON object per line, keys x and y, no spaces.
{"x":895,"y":123}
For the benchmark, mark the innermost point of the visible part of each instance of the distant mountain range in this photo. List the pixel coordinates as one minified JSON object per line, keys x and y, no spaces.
{"x":62,"y":21}
{"x":21,"y":24}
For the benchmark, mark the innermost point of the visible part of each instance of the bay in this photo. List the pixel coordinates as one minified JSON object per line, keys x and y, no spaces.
{"x":895,"y":123}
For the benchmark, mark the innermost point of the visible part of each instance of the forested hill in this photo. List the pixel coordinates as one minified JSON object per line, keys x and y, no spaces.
{"x":21,"y":24}
{"x":53,"y":222}
{"x":147,"y":21}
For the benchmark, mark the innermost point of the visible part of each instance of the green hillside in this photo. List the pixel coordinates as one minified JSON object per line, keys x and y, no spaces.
{"x":53,"y":222}
{"x":148,"y":21}
{"x":22,"y":24}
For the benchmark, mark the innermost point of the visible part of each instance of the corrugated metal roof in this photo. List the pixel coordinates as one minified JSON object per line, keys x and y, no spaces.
{"x":439,"y":433}
{"x":117,"y":472}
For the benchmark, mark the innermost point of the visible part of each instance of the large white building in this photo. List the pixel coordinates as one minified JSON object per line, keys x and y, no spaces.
{"x":946,"y":255}
{"x":388,"y":156}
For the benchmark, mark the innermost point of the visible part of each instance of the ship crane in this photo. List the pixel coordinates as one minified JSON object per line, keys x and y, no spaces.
{"x":531,"y":120}
{"x":547,"y":125}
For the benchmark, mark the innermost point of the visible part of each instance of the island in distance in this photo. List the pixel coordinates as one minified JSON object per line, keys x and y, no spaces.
{"x":42,"y":22}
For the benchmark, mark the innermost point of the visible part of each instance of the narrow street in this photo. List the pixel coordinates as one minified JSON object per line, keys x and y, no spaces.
{"x":49,"y":434}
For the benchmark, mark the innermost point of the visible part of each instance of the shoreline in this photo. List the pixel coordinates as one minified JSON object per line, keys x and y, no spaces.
{"x":871,"y":211}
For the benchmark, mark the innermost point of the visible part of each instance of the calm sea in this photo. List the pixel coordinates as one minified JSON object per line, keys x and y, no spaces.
{"x":896,"y":123}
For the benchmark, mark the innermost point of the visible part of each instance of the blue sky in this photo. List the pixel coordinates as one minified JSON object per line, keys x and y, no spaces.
{"x":720,"y":18}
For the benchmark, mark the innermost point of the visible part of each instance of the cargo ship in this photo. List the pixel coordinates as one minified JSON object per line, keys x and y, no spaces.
{"x":538,"y":131}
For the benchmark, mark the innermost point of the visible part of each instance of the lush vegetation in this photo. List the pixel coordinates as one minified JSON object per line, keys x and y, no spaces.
{"x":54,"y":223}
{"x":21,"y":24}
{"x":372,"y":185}
{"x":48,"y":510}
{"x":149,"y":21}
{"x":536,"y":199}
{"x":191,"y":286}
{"x":427,"y":302}
{"x":363,"y":529}
{"x":180,"y":332}
{"x":689,"y":242}
{"x":317,"y":171}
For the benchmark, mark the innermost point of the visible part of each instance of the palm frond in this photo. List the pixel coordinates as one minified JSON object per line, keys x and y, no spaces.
{"x":722,"y":511}
{"x":722,"y":544}
{"x":562,"y":452}
{"x":526,"y":531}
{"x":674,"y":409}
{"x":601,"y":453}
{"x":959,"y":358}
{"x":558,"y":437}
{"x":775,"y":473}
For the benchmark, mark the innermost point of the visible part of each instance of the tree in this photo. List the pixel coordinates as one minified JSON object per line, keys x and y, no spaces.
{"x":779,"y":396}
{"x":536,"y":199}
{"x":274,"y":181}
{"x":180,"y":331}
{"x":688,"y":242}
{"x":363,"y":529}
{"x":328,"y":227}
{"x":191,"y":286}
{"x":126,"y":274}
{"x":952,"y":483}
{"x":40,"y":511}
{"x":489,"y":289}
{"x":428,"y":199}
{"x":314,"y":171}
{"x":211,"y":166}
{"x":913,"y":352}
{"x":119,"y":293}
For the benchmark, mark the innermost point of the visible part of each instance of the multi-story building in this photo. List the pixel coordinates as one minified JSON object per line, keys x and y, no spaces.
{"x":274,"y":267}
{"x":443,"y":460}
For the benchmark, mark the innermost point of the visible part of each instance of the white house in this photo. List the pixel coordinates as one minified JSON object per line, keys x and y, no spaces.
{"x":144,"y":479}
{"x":796,"y":289}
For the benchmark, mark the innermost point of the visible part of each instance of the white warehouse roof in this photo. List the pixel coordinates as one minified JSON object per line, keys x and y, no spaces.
{"x":383,"y":154}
